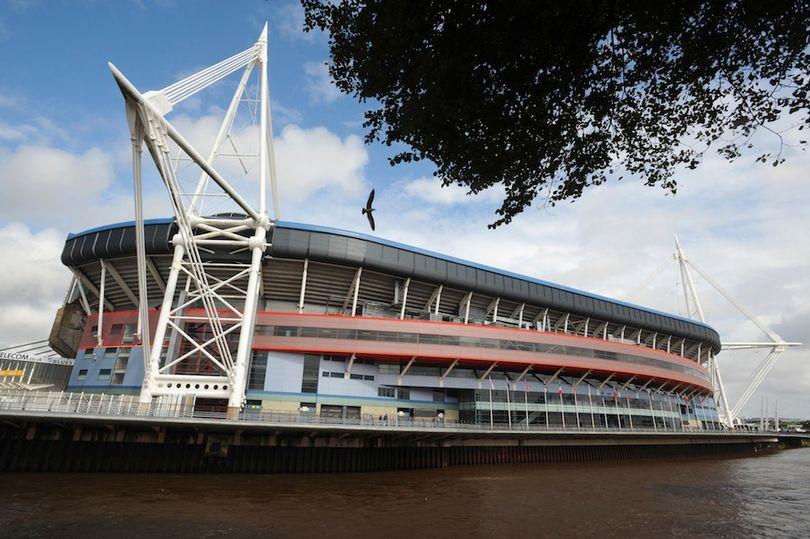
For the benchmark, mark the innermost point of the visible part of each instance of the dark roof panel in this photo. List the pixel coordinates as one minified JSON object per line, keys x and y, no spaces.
{"x":298,"y":240}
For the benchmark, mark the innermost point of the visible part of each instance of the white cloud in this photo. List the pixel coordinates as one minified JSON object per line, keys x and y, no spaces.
{"x":33,"y":284}
{"x":283,"y":115}
{"x":69,"y":191}
{"x":319,"y":83}
{"x":287,"y":20}
{"x":431,"y":190}
{"x":7,"y":101}
{"x":316,"y":159}
{"x":51,"y":180}
{"x":310,"y":160}
{"x":16,"y":133}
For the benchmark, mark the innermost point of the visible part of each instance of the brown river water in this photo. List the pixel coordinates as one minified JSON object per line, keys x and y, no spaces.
{"x":765,"y":496}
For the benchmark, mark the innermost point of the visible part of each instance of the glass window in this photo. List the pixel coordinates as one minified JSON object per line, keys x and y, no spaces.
{"x":82,"y":374}
{"x":408,"y":337}
{"x":309,"y":332}
{"x":423,"y":370}
{"x":307,"y":407}
{"x":388,"y":368}
{"x":449,"y":340}
{"x":404,"y":394}
{"x":88,"y":354}
{"x":286,"y":331}
{"x":348,"y":334}
{"x":326,"y":333}
{"x":258,"y":369}
{"x":129,"y":333}
{"x":356,"y":376}
{"x":123,"y":359}
{"x":387,"y":335}
{"x":386,"y":392}
{"x":452,"y":340}
{"x":438,"y":396}
{"x":117,"y":330}
{"x":366,"y":335}
{"x":104,"y":374}
{"x":309,"y":381}
{"x":109,"y":353}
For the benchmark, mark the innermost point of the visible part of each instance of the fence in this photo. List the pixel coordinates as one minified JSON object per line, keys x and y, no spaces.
{"x":100,"y":405}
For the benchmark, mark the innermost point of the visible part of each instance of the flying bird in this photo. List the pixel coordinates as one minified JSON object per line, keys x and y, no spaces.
{"x":368,"y":210}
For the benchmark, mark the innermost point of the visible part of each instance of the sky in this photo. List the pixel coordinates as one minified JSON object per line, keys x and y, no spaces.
{"x":65,"y":166}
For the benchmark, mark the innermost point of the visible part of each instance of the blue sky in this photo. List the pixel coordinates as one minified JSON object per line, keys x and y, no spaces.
{"x":64,"y":166}
{"x":57,"y":52}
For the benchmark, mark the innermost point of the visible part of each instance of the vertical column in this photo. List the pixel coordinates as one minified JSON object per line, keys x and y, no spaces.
{"x":152,"y":360}
{"x":101,"y":297}
{"x":243,"y":351}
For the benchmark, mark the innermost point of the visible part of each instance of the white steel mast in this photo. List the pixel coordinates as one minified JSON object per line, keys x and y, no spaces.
{"x":221,"y":293}
{"x":776,"y":344}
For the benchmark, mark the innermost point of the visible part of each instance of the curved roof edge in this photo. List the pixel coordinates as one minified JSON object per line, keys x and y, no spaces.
{"x":122,"y":224}
{"x":366,"y":237}
{"x":118,"y":240}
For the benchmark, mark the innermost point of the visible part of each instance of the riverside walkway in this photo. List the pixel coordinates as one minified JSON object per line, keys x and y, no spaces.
{"x":42,"y":431}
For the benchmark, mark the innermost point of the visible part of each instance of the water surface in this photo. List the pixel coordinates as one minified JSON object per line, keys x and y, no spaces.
{"x":767,"y":496}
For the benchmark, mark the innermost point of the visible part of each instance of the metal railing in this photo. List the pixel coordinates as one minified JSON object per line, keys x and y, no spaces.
{"x":100,"y":405}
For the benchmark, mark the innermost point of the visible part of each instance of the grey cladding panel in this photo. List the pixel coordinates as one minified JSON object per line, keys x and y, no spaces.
{"x":374,"y":258}
{"x":540,"y":294}
{"x":509,"y":288}
{"x":292,"y":243}
{"x":356,"y":251}
{"x":338,"y":247}
{"x":497,"y":281}
{"x":563,"y":299}
{"x":486,"y":283}
{"x":86,"y":247}
{"x":280,"y":243}
{"x":150,"y":232}
{"x":406,"y":261}
{"x":390,"y":257}
{"x":421,"y":269}
{"x":127,"y":243}
{"x":460,"y":276}
{"x":583,"y":305}
{"x":602,"y":309}
{"x":318,"y":246}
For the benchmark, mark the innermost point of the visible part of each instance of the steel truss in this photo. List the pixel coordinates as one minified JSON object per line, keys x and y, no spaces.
{"x":207,"y":249}
{"x":776,"y":344}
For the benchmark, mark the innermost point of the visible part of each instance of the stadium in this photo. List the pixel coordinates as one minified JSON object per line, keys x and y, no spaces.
{"x":354,"y":326}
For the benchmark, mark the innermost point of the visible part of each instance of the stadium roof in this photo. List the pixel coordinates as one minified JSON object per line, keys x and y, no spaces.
{"x":301,"y":240}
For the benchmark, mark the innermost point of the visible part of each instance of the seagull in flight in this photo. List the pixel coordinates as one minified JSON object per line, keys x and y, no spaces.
{"x":368,"y":210}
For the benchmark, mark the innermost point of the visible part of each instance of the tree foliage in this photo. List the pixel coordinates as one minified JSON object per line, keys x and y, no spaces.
{"x":551,"y":97}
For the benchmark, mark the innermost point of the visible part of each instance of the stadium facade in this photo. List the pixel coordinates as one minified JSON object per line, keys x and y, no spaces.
{"x":353,"y":326}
